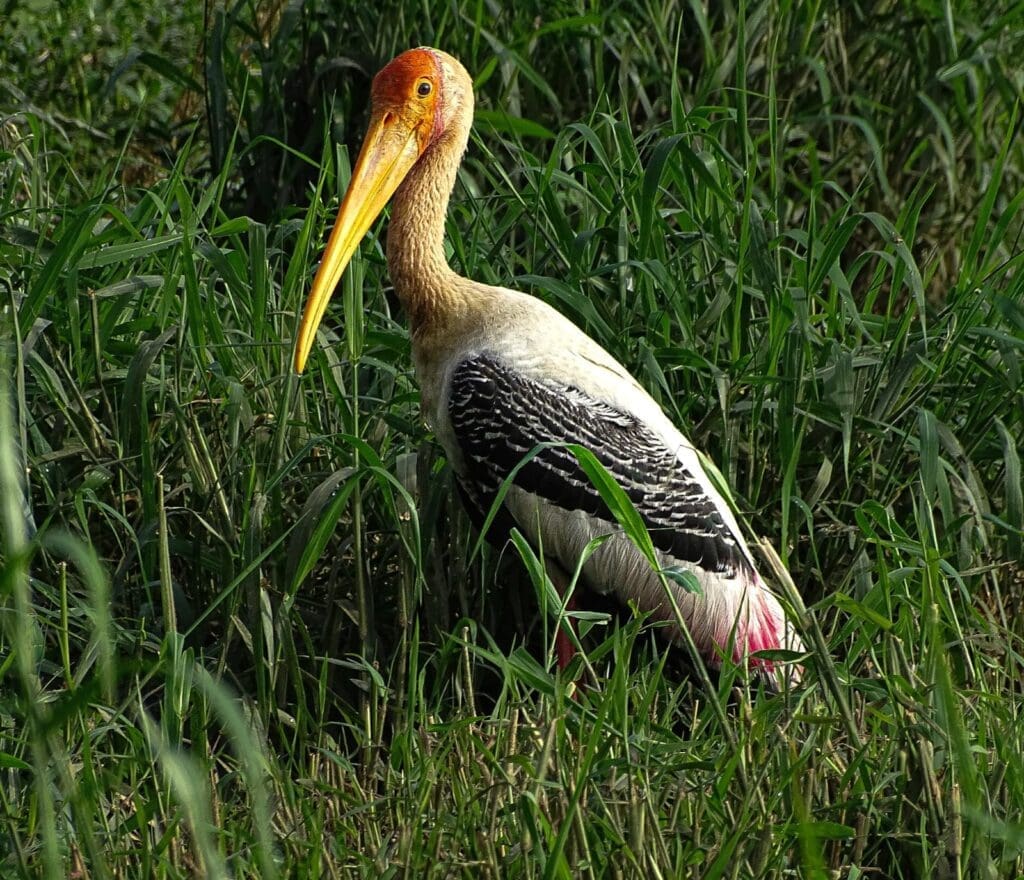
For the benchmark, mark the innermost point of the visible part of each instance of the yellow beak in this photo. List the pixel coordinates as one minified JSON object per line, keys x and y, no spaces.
{"x":391,"y":148}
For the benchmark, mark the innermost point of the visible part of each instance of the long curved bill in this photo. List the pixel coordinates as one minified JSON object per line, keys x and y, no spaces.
{"x":390,"y":149}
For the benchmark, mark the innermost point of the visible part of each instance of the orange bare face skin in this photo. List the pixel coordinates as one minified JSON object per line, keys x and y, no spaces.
{"x":409,"y":87}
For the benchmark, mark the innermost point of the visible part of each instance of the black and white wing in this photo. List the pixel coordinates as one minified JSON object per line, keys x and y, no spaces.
{"x":498,"y":415}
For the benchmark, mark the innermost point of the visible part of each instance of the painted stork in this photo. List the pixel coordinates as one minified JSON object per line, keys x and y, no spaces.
{"x":502,"y":373}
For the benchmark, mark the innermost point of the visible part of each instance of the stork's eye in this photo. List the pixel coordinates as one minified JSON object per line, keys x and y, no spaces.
{"x":423,"y":89}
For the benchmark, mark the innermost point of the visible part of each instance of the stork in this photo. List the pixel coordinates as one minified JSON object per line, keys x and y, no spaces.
{"x":502,"y":374}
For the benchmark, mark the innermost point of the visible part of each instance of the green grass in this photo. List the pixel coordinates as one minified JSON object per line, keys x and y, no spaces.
{"x":246,"y":629}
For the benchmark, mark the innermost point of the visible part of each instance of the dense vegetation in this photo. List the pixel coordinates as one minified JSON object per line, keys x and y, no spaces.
{"x":248,"y":632}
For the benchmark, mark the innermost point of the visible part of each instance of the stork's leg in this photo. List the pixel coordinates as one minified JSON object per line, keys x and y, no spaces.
{"x":564,"y":648}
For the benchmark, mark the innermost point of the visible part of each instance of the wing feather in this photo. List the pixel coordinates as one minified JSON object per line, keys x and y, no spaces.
{"x":498,"y":415}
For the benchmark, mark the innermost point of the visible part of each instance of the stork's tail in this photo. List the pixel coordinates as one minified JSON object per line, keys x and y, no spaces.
{"x":764,"y":627}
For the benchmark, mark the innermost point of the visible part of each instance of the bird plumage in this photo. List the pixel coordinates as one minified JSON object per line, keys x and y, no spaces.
{"x":502,"y":373}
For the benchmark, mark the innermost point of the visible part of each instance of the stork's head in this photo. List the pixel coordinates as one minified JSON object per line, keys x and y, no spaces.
{"x":422,"y":89}
{"x":421,"y":99}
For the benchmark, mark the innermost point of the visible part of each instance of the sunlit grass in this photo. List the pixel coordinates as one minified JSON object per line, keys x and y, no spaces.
{"x":247,"y":630}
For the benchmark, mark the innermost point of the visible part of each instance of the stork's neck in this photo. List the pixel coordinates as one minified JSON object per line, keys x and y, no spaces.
{"x":424,"y":281}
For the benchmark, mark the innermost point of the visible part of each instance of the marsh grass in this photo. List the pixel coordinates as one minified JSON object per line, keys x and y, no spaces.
{"x":247,"y":630}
